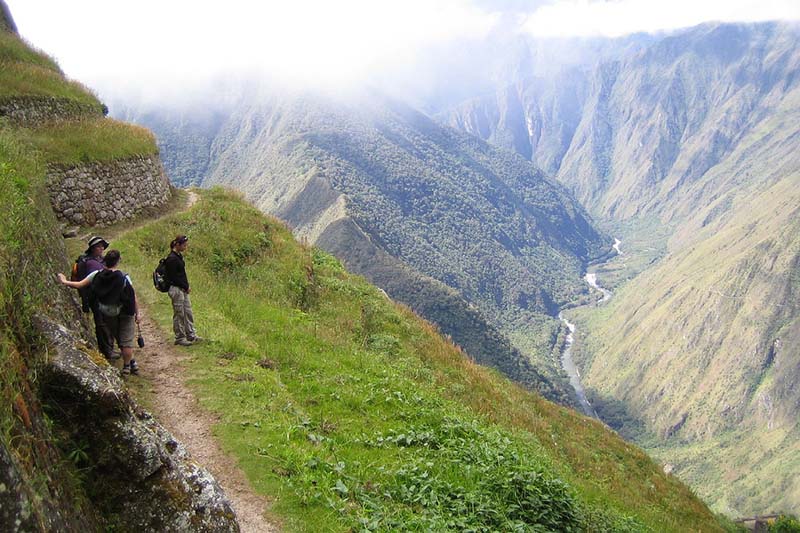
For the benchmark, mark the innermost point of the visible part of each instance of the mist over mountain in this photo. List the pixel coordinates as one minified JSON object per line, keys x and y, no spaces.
{"x":631,"y":134}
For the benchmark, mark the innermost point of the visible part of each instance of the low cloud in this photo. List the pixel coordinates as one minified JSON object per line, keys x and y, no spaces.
{"x":614,"y":18}
{"x":157,"y":45}
{"x":182,"y":50}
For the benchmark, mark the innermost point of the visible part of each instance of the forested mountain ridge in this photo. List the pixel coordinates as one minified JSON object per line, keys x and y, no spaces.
{"x":392,"y":191}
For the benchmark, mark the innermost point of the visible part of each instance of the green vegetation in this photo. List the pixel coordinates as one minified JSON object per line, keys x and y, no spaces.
{"x":692,"y":356}
{"x":27,"y":73}
{"x":644,"y":242}
{"x":14,"y":49}
{"x":785,"y":524}
{"x":353,"y":413}
{"x":30,"y":248}
{"x":23,"y":233}
{"x":18,"y":80}
{"x":85,"y":141}
{"x":27,"y":76}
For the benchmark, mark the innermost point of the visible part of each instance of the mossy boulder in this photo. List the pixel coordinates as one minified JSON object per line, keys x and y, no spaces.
{"x":139,"y":476}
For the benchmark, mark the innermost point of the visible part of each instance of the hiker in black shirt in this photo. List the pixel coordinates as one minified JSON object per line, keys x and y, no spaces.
{"x":182,"y":317}
{"x":116,"y":300}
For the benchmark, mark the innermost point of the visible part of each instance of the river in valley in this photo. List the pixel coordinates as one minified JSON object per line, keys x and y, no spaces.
{"x":572,"y":371}
{"x":567,"y":363}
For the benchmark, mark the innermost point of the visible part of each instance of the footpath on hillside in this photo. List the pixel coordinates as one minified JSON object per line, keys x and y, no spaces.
{"x":178,"y":410}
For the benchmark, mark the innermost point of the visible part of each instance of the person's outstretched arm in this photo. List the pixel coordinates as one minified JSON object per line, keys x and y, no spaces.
{"x":74,"y":284}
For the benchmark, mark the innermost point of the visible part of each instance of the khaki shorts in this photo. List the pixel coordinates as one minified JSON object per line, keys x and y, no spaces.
{"x":123,"y":328}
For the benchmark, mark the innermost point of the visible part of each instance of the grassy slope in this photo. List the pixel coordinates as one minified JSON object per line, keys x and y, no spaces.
{"x":26,"y":73}
{"x":365,"y":413}
{"x":31,"y":249}
{"x":478,"y":219}
{"x":710,"y":315}
{"x":87,"y":141}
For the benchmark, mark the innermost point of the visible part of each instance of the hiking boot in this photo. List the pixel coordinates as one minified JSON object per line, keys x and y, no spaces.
{"x":126,"y":369}
{"x":113,"y":356}
{"x":134,"y":368}
{"x":196,"y":338}
{"x":183,"y":342}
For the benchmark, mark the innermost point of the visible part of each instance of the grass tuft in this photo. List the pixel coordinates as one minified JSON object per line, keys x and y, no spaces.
{"x":87,"y":141}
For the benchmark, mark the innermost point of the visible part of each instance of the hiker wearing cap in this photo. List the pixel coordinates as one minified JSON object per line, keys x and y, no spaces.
{"x":182,"y":317}
{"x":115,"y":301}
{"x":92,"y":261}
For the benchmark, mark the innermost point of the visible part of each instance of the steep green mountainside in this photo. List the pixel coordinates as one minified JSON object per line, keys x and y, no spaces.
{"x":698,"y":132}
{"x":703,"y":347}
{"x":41,"y":491}
{"x":441,"y":220}
{"x":353,"y":413}
{"x":42,"y":476}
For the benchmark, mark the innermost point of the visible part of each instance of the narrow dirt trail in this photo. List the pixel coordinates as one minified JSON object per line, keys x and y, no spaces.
{"x":176,"y":407}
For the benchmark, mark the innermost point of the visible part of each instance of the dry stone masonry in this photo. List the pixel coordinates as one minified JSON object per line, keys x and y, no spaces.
{"x":101,"y":193}
{"x":33,"y":111}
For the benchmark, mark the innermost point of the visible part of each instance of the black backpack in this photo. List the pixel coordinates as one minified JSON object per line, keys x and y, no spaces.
{"x":160,"y":281}
{"x":78,"y":273}
{"x":113,"y":293}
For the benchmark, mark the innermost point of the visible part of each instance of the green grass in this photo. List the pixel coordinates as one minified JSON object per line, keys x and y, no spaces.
{"x":13,"y":49}
{"x":86,"y":141}
{"x":681,"y":353}
{"x":353,"y":414}
{"x":26,"y":72}
{"x":644,"y":242}
{"x":24,"y":80}
{"x":30,"y":250}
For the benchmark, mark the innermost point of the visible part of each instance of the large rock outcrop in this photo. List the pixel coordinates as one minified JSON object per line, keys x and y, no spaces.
{"x":139,"y":476}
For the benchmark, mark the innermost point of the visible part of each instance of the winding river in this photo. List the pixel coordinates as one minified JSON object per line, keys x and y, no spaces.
{"x":572,"y":371}
{"x":567,"y":363}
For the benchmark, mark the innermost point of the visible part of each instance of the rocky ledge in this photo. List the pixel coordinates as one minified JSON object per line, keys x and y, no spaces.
{"x":139,"y":476}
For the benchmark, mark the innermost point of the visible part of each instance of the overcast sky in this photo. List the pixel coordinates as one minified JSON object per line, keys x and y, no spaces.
{"x":167,"y":43}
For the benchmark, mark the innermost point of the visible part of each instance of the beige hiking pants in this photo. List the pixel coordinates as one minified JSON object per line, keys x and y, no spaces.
{"x":182,"y":317}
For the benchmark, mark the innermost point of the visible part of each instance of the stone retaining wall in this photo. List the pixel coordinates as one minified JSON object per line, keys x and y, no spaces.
{"x":33,"y":111}
{"x":99,"y":194}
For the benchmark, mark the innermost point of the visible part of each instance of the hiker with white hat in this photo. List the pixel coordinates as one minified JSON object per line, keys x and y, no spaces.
{"x":92,"y":261}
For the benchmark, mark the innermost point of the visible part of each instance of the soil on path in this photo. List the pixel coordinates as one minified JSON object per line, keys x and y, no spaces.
{"x":176,"y":407}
